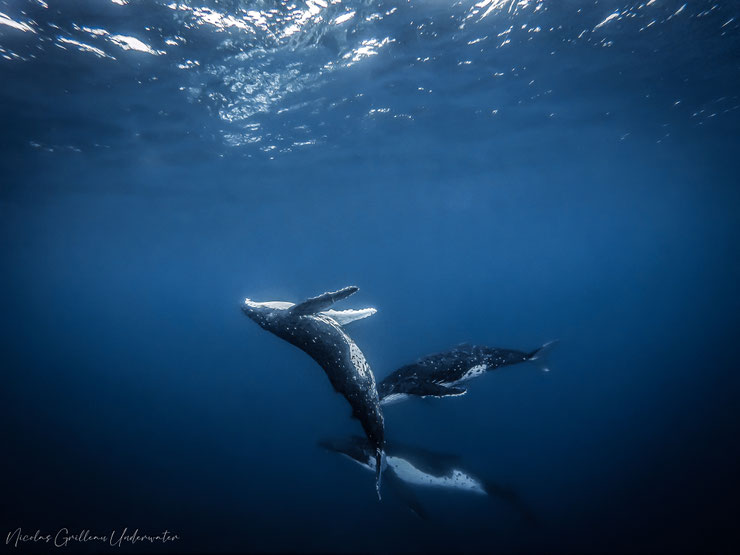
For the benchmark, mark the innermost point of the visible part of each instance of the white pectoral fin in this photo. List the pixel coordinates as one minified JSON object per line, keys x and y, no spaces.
{"x":344,"y":317}
{"x":325,"y":300}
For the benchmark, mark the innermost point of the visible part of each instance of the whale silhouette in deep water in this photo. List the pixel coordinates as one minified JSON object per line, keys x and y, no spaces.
{"x":318,"y":331}
{"x":442,"y":374}
{"x":408,"y":467}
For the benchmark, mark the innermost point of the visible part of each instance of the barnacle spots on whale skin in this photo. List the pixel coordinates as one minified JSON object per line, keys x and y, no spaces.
{"x":358,"y":360}
{"x":356,"y":356}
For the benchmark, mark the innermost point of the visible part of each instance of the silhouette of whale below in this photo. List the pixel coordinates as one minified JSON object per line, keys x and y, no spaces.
{"x":409,"y":467}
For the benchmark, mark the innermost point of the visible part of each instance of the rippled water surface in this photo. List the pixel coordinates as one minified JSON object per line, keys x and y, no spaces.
{"x":272,"y":78}
{"x":503,"y":172}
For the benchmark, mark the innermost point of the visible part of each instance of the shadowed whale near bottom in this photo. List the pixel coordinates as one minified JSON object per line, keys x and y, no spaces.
{"x":408,"y":467}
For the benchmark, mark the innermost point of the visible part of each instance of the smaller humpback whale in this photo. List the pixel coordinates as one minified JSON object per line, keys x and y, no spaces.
{"x":442,"y":374}
{"x":314,"y":328}
{"x":407,"y":466}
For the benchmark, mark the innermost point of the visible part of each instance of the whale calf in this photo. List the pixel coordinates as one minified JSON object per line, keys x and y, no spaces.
{"x":442,"y":374}
{"x":317,"y":330}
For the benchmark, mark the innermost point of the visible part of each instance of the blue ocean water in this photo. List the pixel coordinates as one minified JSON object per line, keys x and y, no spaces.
{"x":501,"y":173}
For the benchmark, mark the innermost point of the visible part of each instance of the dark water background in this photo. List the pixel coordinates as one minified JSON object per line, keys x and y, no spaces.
{"x":588,"y":193}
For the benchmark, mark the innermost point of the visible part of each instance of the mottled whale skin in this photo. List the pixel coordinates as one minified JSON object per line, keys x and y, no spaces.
{"x":319,"y":333}
{"x":441,"y":374}
{"x":408,"y":467}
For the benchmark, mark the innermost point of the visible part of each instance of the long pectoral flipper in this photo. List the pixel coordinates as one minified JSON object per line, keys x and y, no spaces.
{"x":405,"y":494}
{"x":435,"y":390}
{"x":344,"y":317}
{"x":322,"y":302}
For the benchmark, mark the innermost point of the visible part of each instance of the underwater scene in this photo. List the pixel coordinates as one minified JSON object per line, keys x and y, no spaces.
{"x":369,"y":276}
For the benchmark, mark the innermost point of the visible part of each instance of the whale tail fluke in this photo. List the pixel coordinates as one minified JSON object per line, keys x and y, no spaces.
{"x":539,"y":356}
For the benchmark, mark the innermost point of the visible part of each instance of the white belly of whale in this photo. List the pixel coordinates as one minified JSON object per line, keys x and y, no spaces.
{"x":412,"y":475}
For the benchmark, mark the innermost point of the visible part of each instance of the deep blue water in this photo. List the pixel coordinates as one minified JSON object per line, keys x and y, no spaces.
{"x":502,"y":173}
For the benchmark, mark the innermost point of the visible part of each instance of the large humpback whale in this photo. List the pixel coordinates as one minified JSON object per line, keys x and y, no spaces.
{"x":318,"y":331}
{"x":442,"y":374}
{"x":408,"y":466}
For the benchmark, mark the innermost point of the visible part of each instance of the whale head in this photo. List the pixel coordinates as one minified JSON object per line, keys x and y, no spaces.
{"x":266,"y":312}
{"x":391,"y":391}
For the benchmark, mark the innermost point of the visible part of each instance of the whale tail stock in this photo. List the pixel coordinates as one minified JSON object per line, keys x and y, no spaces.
{"x":379,"y":467}
{"x":539,"y":356}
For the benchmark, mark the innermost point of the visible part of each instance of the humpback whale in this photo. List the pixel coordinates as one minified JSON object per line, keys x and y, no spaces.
{"x":442,"y":374}
{"x":407,"y":466}
{"x":317,"y":330}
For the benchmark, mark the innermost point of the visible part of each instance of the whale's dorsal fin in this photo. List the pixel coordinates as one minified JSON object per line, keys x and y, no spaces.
{"x":344,"y":317}
{"x":322,"y":302}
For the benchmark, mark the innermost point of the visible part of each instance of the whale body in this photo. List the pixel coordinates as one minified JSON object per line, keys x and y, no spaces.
{"x":318,"y":331}
{"x":408,"y":467}
{"x":442,"y":374}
